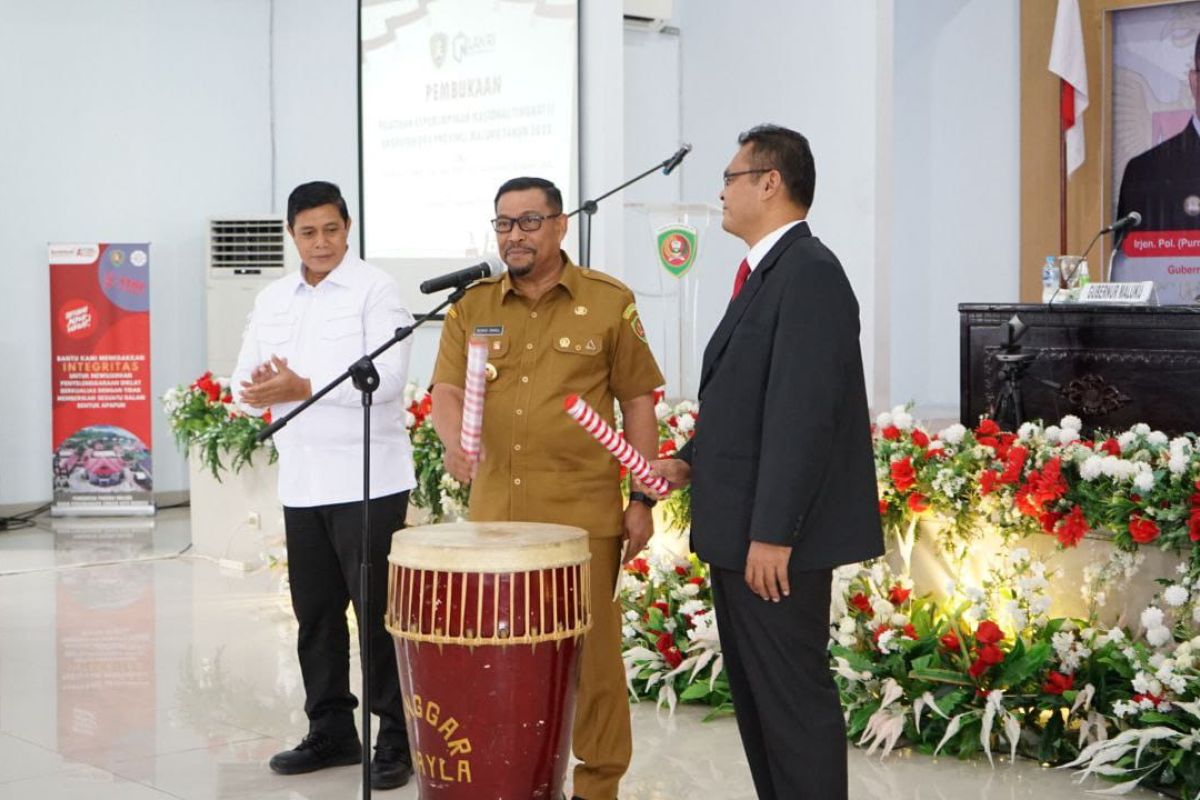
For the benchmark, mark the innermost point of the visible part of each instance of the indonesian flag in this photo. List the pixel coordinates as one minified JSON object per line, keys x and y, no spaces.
{"x":1067,"y":62}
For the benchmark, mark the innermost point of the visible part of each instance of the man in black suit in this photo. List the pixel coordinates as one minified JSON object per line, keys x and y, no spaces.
{"x":782,"y":474}
{"x":1163,"y":183}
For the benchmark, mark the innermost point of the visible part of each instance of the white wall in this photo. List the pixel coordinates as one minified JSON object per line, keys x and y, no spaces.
{"x":814,"y":67}
{"x":956,"y":184}
{"x":124,"y":121}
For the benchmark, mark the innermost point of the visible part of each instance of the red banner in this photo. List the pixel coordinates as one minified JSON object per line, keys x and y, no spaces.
{"x":100,"y":349}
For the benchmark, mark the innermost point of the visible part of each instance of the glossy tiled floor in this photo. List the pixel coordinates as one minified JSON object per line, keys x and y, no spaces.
{"x":129,"y":670}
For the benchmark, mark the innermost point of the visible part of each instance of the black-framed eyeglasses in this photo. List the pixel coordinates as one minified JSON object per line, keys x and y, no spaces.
{"x":526,"y":222}
{"x":727,"y":177}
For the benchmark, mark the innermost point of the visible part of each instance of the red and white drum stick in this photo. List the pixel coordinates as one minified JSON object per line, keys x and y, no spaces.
{"x":622,"y":450}
{"x":473,"y":391}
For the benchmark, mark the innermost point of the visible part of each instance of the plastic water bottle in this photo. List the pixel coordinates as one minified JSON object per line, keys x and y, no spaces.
{"x":1050,"y":278}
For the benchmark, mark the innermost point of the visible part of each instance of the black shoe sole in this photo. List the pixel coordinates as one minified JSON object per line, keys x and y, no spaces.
{"x":342,"y":761}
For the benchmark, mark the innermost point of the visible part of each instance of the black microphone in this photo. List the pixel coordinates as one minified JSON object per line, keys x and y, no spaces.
{"x":464,"y":277}
{"x":1130,"y":220}
{"x":674,"y":161}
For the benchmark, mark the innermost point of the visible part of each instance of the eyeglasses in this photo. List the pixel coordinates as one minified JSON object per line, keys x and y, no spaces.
{"x":727,"y":177}
{"x":526,"y":222}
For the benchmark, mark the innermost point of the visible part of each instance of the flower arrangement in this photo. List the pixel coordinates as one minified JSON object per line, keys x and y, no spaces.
{"x":436,"y":491}
{"x":676,"y":426}
{"x":202,"y":415}
{"x":669,"y":633}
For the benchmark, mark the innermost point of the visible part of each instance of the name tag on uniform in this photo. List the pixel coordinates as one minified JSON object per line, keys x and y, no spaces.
{"x":489,"y":330}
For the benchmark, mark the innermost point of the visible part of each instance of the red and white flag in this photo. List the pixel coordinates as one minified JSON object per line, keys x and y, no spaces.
{"x":1067,"y":62}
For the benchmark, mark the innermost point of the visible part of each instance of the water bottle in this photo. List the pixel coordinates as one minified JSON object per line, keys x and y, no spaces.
{"x":1050,"y":279}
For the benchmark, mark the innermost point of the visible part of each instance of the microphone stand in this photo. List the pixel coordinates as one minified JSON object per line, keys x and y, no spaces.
{"x":366,"y":379}
{"x":590,"y":207}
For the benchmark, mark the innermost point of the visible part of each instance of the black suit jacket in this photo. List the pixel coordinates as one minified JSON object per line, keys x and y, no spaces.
{"x":1158,"y":183}
{"x":782,"y":449}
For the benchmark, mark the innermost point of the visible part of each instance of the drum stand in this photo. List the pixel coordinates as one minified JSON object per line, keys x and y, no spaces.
{"x":365,"y":377}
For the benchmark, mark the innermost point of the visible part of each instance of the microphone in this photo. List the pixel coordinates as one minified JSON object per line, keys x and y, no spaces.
{"x":1130,"y":220}
{"x":674,"y":161}
{"x":464,"y":277}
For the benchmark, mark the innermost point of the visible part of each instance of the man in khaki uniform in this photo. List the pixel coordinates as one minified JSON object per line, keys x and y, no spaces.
{"x":554,"y":329}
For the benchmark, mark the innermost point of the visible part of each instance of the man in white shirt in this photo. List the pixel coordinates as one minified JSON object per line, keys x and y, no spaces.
{"x":305,"y":330}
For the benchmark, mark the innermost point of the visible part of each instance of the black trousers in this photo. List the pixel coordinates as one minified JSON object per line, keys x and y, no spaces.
{"x":784,"y":697}
{"x":324,"y":545}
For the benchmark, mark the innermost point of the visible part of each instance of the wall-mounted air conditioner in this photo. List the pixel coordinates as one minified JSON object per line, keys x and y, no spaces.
{"x":245,"y":253}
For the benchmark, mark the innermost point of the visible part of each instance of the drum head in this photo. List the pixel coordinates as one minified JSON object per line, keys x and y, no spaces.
{"x":489,"y":547}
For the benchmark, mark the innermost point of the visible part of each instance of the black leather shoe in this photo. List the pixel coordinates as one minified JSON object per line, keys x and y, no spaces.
{"x":317,"y":751}
{"x":391,"y":767}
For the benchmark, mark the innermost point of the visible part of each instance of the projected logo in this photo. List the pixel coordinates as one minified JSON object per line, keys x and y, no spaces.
{"x":469,"y":45}
{"x":438,"y":45}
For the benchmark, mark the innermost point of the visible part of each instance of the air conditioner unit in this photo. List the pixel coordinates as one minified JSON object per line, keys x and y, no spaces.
{"x":245,"y":253}
{"x":650,"y":15}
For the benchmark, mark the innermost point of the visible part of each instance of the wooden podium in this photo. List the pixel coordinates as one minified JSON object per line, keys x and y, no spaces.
{"x":1110,"y":366}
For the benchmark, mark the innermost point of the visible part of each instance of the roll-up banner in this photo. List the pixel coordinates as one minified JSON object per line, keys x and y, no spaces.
{"x":100,"y":353}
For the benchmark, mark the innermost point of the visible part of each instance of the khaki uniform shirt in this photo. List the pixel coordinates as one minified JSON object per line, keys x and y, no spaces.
{"x":582,"y":337}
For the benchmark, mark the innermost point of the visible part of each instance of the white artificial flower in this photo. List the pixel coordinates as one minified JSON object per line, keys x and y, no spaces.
{"x":1027,"y":431}
{"x":1144,"y":481}
{"x":1196,"y":613}
{"x":846,"y":624}
{"x":1126,"y":439}
{"x":1180,"y":444}
{"x":953,"y":434}
{"x":1157,"y":438}
{"x":1052,"y":433}
{"x":1158,"y":660}
{"x":882,"y":608}
{"x":662,"y":411}
{"x":883,"y":420}
{"x":685,"y":422}
{"x":1092,"y":468}
{"x":1114,"y":636}
{"x":409,"y":419}
{"x":936,"y":444}
{"x":902,"y":420}
{"x":1141,"y":683}
{"x":877,"y":574}
{"x":885,"y":640}
{"x":1141,"y":429}
{"x":1158,"y":636}
{"x":1068,"y":435}
{"x":1017,"y":555}
{"x":1071,"y":422}
{"x":1178,"y":464}
{"x":1124,"y":708}
{"x":899,"y":620}
{"x":1040,"y":606}
{"x":1175,"y":595}
{"x":847,"y":639}
{"x":1152,"y":617}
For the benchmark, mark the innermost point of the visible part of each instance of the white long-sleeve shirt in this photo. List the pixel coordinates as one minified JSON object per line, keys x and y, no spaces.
{"x":321,"y":330}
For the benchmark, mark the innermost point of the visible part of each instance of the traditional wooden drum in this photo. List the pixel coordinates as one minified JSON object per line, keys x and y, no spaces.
{"x":488,"y":620}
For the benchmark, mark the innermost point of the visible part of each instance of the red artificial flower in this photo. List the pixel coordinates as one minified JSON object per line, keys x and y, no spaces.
{"x":1015,"y":463}
{"x":950,"y":641}
{"x":987,"y":481}
{"x":1049,"y":519}
{"x":639,"y":566}
{"x":883,"y":506}
{"x":667,"y":448}
{"x":861,"y":602}
{"x":1057,"y":683}
{"x":1142,"y":530}
{"x":681,"y":571}
{"x":1004,"y":446}
{"x":990,"y":654}
{"x":918,"y":502}
{"x":920,"y":438}
{"x":898,"y":594}
{"x":1072,"y":528}
{"x":698,"y":581}
{"x":878,"y":631}
{"x":909,"y":631}
{"x":1155,"y":699}
{"x":1194,"y":525}
{"x":1110,"y":446}
{"x":673,"y":657}
{"x":659,"y":394}
{"x":903,"y":476}
{"x":987,"y":427}
{"x":935,"y":452}
{"x":891,"y":433}
{"x":266,"y":417}
{"x":988,"y":441}
{"x":663,"y":607}
{"x":988,"y":632}
{"x":977,"y":668}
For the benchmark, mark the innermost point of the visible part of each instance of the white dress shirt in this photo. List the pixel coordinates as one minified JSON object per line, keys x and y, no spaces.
{"x":764,"y":245}
{"x":321,"y":330}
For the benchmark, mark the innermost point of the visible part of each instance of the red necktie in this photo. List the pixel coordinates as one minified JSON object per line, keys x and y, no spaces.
{"x":739,"y":280}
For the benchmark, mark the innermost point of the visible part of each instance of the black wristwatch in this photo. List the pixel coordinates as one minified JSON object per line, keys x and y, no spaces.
{"x":643,"y":498}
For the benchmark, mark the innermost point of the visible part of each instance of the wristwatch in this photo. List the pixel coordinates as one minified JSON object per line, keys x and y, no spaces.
{"x":643,"y":498}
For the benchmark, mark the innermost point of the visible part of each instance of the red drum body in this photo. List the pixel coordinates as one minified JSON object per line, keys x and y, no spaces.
{"x":488,"y":620}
